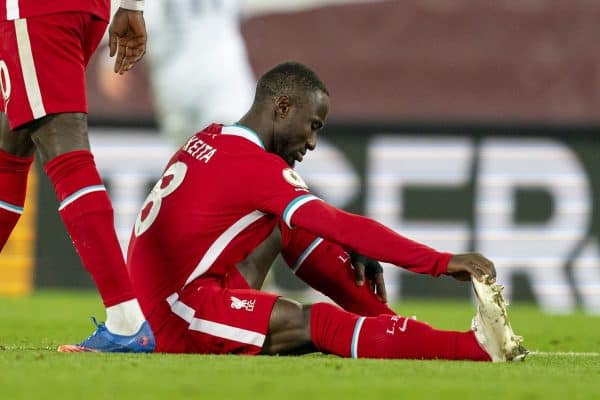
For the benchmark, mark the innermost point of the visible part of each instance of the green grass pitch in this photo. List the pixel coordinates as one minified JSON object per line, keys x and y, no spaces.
{"x":565,"y":363}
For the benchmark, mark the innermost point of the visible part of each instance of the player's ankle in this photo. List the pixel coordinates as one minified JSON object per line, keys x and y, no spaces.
{"x":125,"y":318}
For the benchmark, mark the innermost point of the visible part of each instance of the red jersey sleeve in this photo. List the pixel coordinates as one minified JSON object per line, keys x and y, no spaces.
{"x":280,"y":191}
{"x":368,"y":237}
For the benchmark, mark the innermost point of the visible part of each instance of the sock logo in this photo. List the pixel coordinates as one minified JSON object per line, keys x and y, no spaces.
{"x":238,"y":304}
{"x":396,"y":324}
{"x":345,"y":258}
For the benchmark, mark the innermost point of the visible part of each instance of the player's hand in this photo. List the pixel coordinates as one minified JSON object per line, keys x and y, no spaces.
{"x":127,"y":39}
{"x":465,"y":266}
{"x":370,"y":271}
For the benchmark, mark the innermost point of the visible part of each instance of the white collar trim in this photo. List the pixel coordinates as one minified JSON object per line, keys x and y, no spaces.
{"x":242,"y":131}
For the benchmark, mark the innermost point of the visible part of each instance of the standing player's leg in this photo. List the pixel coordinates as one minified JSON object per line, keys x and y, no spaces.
{"x":87,"y":213}
{"x":46,"y":57}
{"x":16,"y":156}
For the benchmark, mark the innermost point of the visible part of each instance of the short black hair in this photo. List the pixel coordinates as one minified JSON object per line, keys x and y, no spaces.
{"x":288,"y":78}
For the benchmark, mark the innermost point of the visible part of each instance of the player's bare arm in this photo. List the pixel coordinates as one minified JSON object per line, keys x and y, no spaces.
{"x":127,"y":35}
{"x":258,"y":263}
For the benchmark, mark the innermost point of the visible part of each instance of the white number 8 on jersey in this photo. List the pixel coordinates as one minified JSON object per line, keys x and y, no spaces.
{"x":171,"y":179}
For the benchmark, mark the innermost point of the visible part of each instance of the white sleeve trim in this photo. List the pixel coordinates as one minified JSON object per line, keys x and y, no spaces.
{"x":294,"y":205}
{"x":135,"y":5}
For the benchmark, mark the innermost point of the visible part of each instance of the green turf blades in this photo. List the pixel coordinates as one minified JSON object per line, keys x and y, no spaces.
{"x":564,"y":364}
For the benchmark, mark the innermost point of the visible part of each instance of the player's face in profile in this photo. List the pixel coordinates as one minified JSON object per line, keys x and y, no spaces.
{"x":299,"y":130}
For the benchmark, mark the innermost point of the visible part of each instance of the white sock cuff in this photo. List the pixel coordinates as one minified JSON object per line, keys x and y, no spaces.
{"x":125,"y":318}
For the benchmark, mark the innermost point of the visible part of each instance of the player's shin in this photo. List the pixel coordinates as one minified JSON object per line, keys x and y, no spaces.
{"x":88,"y":216}
{"x":13,"y":186}
{"x":326,"y":267}
{"x":387,"y":336}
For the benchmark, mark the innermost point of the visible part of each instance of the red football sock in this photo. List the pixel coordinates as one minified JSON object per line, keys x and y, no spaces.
{"x":13,"y":187}
{"x":88,"y":215}
{"x":326,"y":267}
{"x":336,"y":331}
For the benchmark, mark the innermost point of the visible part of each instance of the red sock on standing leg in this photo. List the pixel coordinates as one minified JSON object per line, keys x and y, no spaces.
{"x":326,"y":267}
{"x":336,"y":331}
{"x":13,"y":187}
{"x":88,"y":216}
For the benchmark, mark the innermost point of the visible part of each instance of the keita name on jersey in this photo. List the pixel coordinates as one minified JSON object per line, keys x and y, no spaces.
{"x":198,"y":149}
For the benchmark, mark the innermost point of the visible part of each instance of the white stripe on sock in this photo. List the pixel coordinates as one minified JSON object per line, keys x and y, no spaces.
{"x":355,"y":337}
{"x":80,"y":193}
{"x":11,"y":207}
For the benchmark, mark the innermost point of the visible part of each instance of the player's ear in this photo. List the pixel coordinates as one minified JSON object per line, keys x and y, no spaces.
{"x":282,"y":106}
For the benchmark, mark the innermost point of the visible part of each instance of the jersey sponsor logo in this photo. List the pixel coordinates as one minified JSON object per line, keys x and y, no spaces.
{"x":238,"y":304}
{"x":294,"y":179}
{"x":5,"y":87}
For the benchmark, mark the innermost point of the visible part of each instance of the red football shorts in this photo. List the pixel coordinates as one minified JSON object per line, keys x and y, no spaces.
{"x":42,"y":64}
{"x":212,"y":317}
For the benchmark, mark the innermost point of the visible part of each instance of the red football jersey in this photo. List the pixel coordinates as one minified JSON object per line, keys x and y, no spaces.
{"x":219,"y":197}
{"x":15,"y":9}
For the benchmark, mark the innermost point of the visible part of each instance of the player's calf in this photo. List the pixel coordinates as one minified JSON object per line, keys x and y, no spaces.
{"x":13,"y":186}
{"x":336,"y":331}
{"x":326,"y":267}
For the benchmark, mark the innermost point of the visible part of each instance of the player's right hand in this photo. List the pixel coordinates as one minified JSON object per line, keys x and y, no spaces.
{"x":366,"y":269}
{"x":127,"y":39}
{"x":464,"y":266}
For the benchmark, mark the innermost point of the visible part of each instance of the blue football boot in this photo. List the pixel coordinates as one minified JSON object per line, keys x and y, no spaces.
{"x":103,"y":341}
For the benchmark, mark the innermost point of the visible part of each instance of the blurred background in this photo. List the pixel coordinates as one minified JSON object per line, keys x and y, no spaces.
{"x":467,"y":125}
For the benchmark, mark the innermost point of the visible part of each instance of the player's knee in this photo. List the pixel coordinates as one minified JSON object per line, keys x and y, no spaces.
{"x":287,"y":315}
{"x":58,"y":134}
{"x":290,"y":319}
{"x":289,"y":328}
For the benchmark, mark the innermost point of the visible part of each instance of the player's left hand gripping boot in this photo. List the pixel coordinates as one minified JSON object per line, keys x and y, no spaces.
{"x":104,"y":341}
{"x":491,"y":325}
